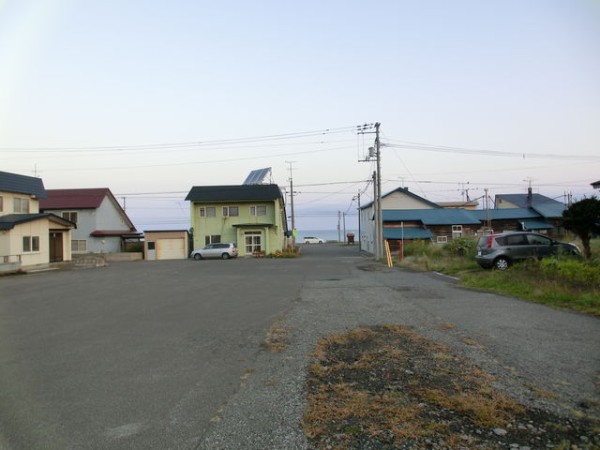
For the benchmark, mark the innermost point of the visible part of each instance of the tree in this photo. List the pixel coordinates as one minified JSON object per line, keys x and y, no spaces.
{"x":583,"y":219}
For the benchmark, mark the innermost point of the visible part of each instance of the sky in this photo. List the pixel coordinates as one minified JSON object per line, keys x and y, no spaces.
{"x":150,"y":98}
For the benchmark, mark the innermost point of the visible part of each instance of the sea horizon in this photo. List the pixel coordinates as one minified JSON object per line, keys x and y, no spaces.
{"x":326,"y":235}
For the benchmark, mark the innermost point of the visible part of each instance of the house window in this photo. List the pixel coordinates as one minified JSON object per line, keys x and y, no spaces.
{"x":21,"y":205}
{"x":259,"y":210}
{"x":253,"y":242}
{"x":442,"y":239}
{"x":1,"y":202}
{"x":457,"y":231}
{"x":31,"y":244}
{"x":208,"y":211}
{"x":70,"y":216}
{"x":212,"y":239}
{"x":78,"y":245}
{"x":231,"y":211}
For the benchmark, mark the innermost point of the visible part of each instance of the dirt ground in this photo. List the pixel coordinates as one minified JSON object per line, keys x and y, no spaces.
{"x":387,"y":387}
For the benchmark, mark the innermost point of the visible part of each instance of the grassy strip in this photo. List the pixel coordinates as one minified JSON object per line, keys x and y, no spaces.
{"x":533,"y":286}
{"x":563,"y":283}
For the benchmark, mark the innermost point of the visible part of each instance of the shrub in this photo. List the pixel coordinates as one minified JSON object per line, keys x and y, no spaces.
{"x":464,"y":246}
{"x":572,"y":270}
{"x":421,"y":248}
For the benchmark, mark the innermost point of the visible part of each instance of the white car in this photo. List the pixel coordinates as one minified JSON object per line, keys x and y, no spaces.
{"x":313,"y":240}
{"x":223,"y":251}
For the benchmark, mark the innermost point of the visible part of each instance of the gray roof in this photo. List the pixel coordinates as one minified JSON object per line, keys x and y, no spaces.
{"x":439,"y":216}
{"x":545,"y":206}
{"x":8,"y":221}
{"x":409,"y":194}
{"x":235,"y":193}
{"x":22,"y":184}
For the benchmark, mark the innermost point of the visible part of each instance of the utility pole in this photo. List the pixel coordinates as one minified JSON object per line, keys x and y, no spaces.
{"x":292,"y":202}
{"x":359,"y":230}
{"x":379,"y":253}
{"x":376,"y":151}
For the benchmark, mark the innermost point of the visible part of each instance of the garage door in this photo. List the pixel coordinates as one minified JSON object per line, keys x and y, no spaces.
{"x":170,"y":249}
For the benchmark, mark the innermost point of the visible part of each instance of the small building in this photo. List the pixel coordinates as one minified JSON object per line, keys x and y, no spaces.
{"x":28,"y":237}
{"x":398,"y":199}
{"x":166,"y":244}
{"x":102,"y":224}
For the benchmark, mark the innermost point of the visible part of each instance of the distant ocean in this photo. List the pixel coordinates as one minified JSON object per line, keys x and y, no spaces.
{"x":326,"y":235}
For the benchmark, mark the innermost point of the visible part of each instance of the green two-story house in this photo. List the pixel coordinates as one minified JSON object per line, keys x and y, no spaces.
{"x":250,"y":215}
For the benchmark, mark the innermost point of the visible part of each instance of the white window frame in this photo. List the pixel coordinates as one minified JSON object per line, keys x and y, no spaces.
{"x":21,"y":205}
{"x":255,"y":244}
{"x":457,"y":231}
{"x":441,"y":240}
{"x":70,"y":215}
{"x":212,"y":239}
{"x":231,"y":211}
{"x":78,"y":245}
{"x":31,"y":244}
{"x":258,"y":210}
{"x":208,"y":211}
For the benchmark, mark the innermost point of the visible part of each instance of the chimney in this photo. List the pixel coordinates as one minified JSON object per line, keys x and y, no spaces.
{"x":529,"y":197}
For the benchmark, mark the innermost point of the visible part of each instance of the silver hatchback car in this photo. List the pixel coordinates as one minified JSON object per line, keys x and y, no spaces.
{"x":223,"y":251}
{"x":502,"y":250}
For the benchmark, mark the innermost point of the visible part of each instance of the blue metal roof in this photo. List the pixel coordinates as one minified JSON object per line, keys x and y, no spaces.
{"x":505,"y":214}
{"x":22,"y":184}
{"x":406,"y":233}
{"x":432,"y":216}
{"x":536,"y":225}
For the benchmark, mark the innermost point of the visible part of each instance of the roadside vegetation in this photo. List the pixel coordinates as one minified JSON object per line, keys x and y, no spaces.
{"x":563,"y":282}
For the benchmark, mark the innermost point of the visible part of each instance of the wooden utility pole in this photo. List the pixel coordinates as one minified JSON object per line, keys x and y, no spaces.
{"x":293,"y":218}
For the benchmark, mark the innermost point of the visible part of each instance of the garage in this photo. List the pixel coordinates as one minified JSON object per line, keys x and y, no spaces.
{"x":167,"y":244}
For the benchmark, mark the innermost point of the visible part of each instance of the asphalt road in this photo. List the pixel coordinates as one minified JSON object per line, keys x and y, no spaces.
{"x":171,"y":354}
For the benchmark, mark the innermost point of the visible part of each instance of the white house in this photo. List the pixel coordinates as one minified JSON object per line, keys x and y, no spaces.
{"x":102,"y":224}
{"x":28,"y":237}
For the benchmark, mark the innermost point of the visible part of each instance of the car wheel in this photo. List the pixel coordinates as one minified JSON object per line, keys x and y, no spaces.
{"x":197,"y":256}
{"x":225,"y":256}
{"x":501,"y":263}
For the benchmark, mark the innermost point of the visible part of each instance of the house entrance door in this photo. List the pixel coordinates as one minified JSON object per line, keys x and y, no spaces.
{"x":56,"y":247}
{"x":253,"y":242}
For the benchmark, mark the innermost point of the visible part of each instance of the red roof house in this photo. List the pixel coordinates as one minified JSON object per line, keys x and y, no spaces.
{"x":102,"y":224}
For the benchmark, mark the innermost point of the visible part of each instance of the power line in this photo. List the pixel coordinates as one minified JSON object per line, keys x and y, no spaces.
{"x":172,"y":145}
{"x":463,"y":150}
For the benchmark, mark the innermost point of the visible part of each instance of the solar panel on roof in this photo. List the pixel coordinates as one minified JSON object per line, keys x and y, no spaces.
{"x":257,"y":176}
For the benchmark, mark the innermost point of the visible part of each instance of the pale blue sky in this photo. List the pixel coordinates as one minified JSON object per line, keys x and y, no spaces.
{"x":516,"y":77}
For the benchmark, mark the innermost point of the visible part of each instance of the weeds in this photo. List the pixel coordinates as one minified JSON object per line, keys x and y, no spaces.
{"x":562,"y":282}
{"x":389,"y":387}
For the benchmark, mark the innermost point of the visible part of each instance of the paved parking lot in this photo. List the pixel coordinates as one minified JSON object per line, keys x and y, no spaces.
{"x":171,"y":354}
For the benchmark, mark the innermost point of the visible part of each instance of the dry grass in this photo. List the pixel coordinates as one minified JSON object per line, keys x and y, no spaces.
{"x":389,"y":388}
{"x":277,"y":337}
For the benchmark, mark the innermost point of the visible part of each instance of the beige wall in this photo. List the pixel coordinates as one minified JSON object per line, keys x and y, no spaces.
{"x":8,"y":203}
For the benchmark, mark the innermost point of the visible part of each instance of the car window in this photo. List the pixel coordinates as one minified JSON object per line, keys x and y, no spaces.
{"x":516,"y":239}
{"x":538,"y":240}
{"x":501,"y":240}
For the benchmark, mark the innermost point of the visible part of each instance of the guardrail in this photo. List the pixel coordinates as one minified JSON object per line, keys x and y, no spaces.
{"x":10,"y":259}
